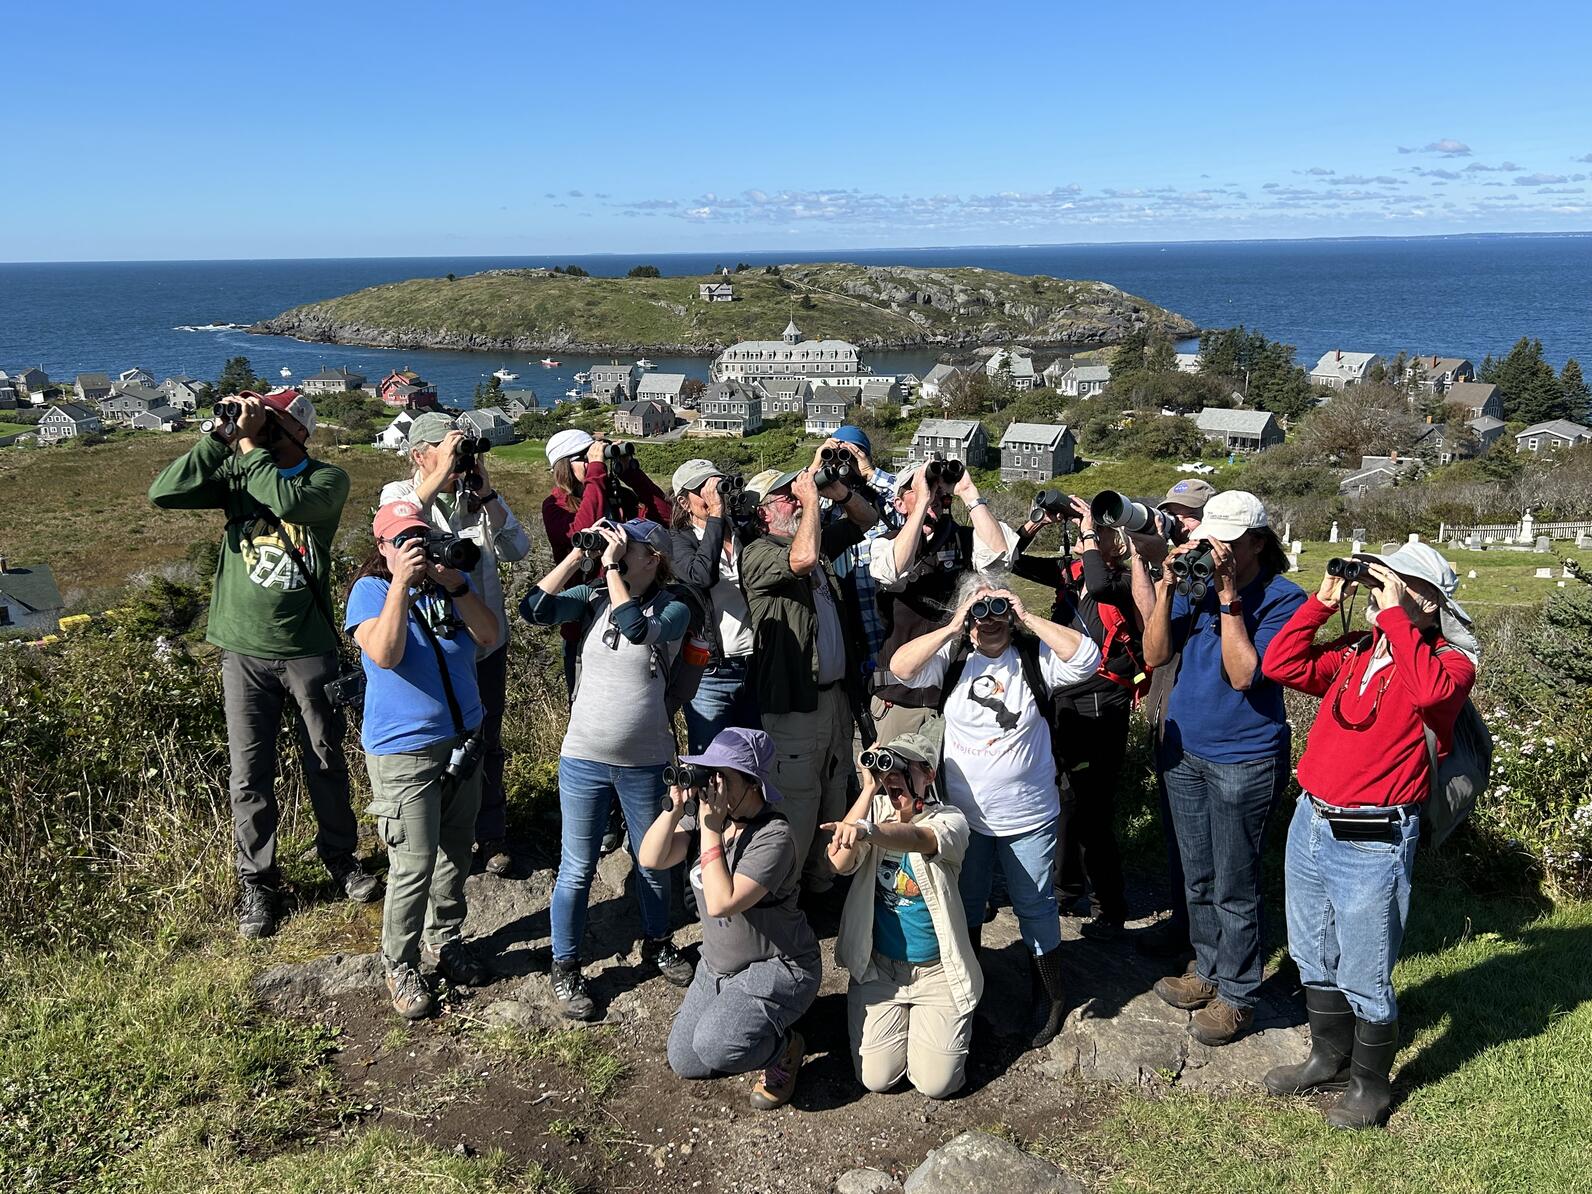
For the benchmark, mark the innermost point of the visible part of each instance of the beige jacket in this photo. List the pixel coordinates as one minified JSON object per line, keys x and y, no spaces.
{"x":937,"y":877}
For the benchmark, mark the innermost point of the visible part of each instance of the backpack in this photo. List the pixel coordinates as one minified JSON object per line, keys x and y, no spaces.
{"x":1120,"y":637}
{"x":680,"y":664}
{"x":1028,"y":658}
{"x":1459,"y":777}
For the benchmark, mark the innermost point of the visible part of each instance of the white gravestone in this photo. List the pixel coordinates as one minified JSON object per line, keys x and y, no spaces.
{"x":1332,"y":535}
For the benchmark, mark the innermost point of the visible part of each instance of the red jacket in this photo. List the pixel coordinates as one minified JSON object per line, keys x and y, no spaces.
{"x":1352,"y":757}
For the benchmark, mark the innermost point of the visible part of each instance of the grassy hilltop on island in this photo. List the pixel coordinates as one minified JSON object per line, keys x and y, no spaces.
{"x":874,"y":307}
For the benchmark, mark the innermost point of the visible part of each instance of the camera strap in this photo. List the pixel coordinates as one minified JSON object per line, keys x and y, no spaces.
{"x":447,"y":681}
{"x":319,"y":598}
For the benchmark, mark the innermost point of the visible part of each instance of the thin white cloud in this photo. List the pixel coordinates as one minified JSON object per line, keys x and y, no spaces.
{"x":1540,"y":179}
{"x":1448,"y":147}
{"x":1501,"y":168}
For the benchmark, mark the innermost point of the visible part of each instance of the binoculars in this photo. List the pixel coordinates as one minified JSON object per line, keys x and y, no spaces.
{"x":1194,"y":571}
{"x":590,"y":539}
{"x":472,"y":445}
{"x":443,"y":548}
{"x":1051,"y":502}
{"x":943,"y":472}
{"x":731,"y":483}
{"x":622,"y":452}
{"x":1352,"y":572}
{"x":990,"y":607}
{"x":687,"y":775}
{"x":881,"y":761}
{"x":835,"y":466}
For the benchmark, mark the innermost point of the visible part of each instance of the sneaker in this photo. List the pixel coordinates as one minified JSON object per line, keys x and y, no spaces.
{"x":256,"y":911}
{"x":1104,"y":929}
{"x":411,"y":998}
{"x":458,"y":962}
{"x":1220,"y":1023}
{"x":357,"y":883}
{"x":778,"y":1082}
{"x":569,"y":990}
{"x":671,"y":963}
{"x":1186,"y":991}
{"x":494,"y":856}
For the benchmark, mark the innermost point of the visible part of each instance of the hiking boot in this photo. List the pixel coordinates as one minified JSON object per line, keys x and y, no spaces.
{"x":671,"y":963}
{"x":778,"y":1082}
{"x":1187,"y":991}
{"x":1105,"y":929}
{"x":1165,"y":940}
{"x":356,"y":882}
{"x":256,"y":911}
{"x":569,"y":991}
{"x":411,"y":998}
{"x":1049,"y":998}
{"x":458,"y":962}
{"x":1369,"y":1097}
{"x":1331,"y":1046}
{"x":494,"y":856}
{"x":1220,"y":1023}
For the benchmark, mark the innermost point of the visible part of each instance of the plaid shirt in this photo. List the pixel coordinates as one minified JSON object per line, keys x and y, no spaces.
{"x":851,"y":569}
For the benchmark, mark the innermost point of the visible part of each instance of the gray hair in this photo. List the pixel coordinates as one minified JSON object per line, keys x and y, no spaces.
{"x":970,"y":582}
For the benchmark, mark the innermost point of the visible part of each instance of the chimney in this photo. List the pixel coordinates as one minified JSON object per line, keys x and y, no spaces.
{"x":1339,"y":355}
{"x":1434,"y":360}
{"x":3,"y":567}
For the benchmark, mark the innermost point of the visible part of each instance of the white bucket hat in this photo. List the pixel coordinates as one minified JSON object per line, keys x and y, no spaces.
{"x":1420,"y":561}
{"x":571,"y":441}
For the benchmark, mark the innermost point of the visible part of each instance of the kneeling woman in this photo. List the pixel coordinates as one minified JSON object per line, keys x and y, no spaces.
{"x":915,"y":978}
{"x":760,"y":965}
{"x":1366,"y":771}
{"x":421,"y":709}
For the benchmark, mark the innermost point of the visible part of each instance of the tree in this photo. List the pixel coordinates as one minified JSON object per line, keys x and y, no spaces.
{"x":807,"y":302}
{"x":1363,"y":420}
{"x":644,"y":271}
{"x":1163,"y":438}
{"x":574,"y":271}
{"x":237,"y":375}
{"x":1530,"y":389}
{"x":451,"y":278}
{"x":1161,"y":357}
{"x":691,"y":390}
{"x":1577,"y":397}
{"x":1129,"y":356}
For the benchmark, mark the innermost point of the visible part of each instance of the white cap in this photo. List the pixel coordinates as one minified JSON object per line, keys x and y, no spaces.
{"x":1228,"y":515}
{"x":571,"y":441}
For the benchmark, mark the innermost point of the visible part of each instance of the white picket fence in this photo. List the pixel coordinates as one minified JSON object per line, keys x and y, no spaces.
{"x":1515,"y":532}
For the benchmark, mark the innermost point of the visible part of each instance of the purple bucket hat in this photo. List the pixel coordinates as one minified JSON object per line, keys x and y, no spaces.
{"x":750,"y":752}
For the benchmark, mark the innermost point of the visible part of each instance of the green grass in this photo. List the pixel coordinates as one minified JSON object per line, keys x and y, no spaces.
{"x":14,"y":428}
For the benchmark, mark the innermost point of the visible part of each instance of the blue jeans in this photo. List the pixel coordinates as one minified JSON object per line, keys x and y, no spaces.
{"x":722,"y":699}
{"x":1220,"y":811}
{"x":585,"y":792}
{"x":1347,"y":903}
{"x":1026,"y":861}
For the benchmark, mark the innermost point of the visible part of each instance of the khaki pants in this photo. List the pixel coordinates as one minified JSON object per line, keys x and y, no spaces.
{"x":813,"y":770}
{"x":904,"y":1024}
{"x":891,"y":721}
{"x":427,"y":823}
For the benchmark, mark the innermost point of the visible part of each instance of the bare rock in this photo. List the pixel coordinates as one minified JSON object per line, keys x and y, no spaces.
{"x":866,"y":1181}
{"x":976,"y":1162}
{"x":518,"y":1013}
{"x":298,"y":985}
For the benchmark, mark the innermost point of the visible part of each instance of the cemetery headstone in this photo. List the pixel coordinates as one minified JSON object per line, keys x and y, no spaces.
{"x":1332,"y":535}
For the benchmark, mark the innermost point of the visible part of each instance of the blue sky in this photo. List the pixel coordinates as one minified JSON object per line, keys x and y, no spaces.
{"x":165,"y":130}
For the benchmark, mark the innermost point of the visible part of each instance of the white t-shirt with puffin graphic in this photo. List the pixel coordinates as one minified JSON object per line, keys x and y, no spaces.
{"x":999,"y":768}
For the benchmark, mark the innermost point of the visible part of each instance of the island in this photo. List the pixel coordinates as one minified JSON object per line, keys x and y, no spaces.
{"x":874,"y":307}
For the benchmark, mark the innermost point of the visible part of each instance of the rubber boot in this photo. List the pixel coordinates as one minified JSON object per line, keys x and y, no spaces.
{"x":1365,"y":1104}
{"x":1049,"y":996}
{"x":1331,"y":1047}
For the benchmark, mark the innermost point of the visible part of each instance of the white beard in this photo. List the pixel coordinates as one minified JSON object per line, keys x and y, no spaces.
{"x":784,"y":524}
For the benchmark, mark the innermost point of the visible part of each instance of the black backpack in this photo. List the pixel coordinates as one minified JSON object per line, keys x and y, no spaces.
{"x":1028,"y":658}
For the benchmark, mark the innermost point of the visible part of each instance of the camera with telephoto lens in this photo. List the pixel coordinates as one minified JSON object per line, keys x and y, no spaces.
{"x":466,"y":757}
{"x":1114,"y":510}
{"x":1051,"y":502}
{"x":687,"y":775}
{"x":943,"y":472}
{"x":619,"y":454}
{"x":1194,"y":571}
{"x":835,"y":467}
{"x":882,"y":761}
{"x":1352,"y":572}
{"x":990,"y":607}
{"x":442,"y":547}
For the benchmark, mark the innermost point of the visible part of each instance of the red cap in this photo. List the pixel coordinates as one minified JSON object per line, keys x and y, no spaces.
{"x":395,"y":517}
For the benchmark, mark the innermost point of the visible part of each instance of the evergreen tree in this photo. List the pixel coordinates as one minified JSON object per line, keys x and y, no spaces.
{"x":1577,"y":397}
{"x":1129,"y":356}
{"x":644,"y":271}
{"x":237,"y":375}
{"x":1488,"y":369}
{"x":1530,"y":389}
{"x":1161,"y":357}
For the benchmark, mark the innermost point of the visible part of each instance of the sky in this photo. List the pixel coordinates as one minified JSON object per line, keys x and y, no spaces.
{"x":344,"y":128}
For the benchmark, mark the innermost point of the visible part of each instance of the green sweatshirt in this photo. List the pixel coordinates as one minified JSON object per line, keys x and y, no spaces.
{"x":261,"y":606}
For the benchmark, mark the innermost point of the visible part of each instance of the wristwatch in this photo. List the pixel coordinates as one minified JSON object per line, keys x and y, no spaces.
{"x":977,"y":502}
{"x":455,"y":594}
{"x":1087,"y":535}
{"x":1236,"y":606}
{"x":864,"y":827}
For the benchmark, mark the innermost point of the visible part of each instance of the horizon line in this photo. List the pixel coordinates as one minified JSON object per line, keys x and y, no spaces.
{"x":1261,"y":240}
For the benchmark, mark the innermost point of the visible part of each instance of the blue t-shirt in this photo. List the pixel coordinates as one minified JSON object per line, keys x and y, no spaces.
{"x":405,"y":707}
{"x":902,"y":928}
{"x":1208,"y":717}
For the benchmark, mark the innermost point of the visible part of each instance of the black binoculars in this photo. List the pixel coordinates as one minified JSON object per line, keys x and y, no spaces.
{"x":622,"y":452}
{"x":882,"y":761}
{"x":835,"y":466}
{"x":472,"y":445}
{"x":687,"y":775}
{"x":1051,"y":502}
{"x":1199,"y":564}
{"x":943,"y":472}
{"x":990,"y":607}
{"x":591,"y":538}
{"x":1352,"y":572}
{"x":731,"y":483}
{"x":443,"y":548}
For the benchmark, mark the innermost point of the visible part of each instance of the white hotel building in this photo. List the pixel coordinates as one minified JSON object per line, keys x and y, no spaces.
{"x":788,"y":356}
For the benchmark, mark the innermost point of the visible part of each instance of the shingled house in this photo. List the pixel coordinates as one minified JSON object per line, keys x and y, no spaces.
{"x":1037,"y":451}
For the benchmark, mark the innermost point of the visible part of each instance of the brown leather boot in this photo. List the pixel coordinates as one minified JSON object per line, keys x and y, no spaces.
{"x":778,"y":1082}
{"x":1220,"y":1023}
{"x":1187,"y":991}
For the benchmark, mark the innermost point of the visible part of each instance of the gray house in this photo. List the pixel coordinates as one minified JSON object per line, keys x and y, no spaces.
{"x":1438,"y":375}
{"x":1015,"y":361}
{"x":1487,"y":430}
{"x":136,"y":376}
{"x":67,"y":421}
{"x":950,"y":439}
{"x":716,"y":292}
{"x":660,"y":387}
{"x":185,"y":393}
{"x":129,"y":400}
{"x":730,"y":408}
{"x":1083,"y":381}
{"x":1477,"y":397}
{"x":518,"y":402}
{"x":881,"y":391}
{"x":941,"y":382}
{"x":1037,"y":451}
{"x":1551,"y":436}
{"x":613,"y":382}
{"x":1240,"y":430}
{"x":489,"y":422}
{"x":827,"y":409}
{"x":31,"y":381}
{"x":92,"y":387}
{"x":332,"y":381}
{"x":1337,"y":370}
{"x":643,"y":417}
{"x":158,"y":418}
{"x":784,"y":395}
{"x":29,"y":598}
{"x":8,"y":393}
{"x":791,"y":354}
{"x":1379,"y":472}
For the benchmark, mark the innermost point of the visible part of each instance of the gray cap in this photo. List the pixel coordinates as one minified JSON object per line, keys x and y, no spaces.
{"x":691,"y":474}
{"x":1192,"y":493}
{"x":430,"y":428}
{"x":923,"y":744}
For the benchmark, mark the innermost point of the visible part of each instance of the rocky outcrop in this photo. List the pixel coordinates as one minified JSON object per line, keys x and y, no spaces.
{"x":977,"y":1163}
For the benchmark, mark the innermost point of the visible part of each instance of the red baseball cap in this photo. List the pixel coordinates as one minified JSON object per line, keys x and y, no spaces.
{"x":395,"y":517}
{"x":291,"y":402}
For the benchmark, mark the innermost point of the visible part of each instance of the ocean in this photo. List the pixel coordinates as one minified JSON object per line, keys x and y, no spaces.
{"x":1455,"y":296}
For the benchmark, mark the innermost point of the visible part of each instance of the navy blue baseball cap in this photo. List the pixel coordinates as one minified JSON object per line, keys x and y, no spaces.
{"x":853,"y":435}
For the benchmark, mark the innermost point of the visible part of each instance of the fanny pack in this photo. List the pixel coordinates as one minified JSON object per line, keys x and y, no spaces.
{"x":1365,"y":823}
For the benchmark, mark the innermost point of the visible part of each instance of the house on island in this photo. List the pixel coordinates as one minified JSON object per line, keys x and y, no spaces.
{"x":1552,"y":436}
{"x":333,"y":381}
{"x":128,"y":399}
{"x":1437,"y":375}
{"x":1446,"y":443}
{"x":643,"y":417}
{"x":791,"y":354}
{"x":92,"y":388}
{"x":881,"y":391}
{"x":784,"y":395}
{"x":67,"y":421}
{"x":661,"y":387}
{"x":1015,"y":364}
{"x":613,"y":382}
{"x":1037,"y":451}
{"x":395,"y":436}
{"x":827,"y":409}
{"x":1239,"y":430}
{"x":136,"y":377}
{"x":950,"y":439}
{"x":1337,"y":370}
{"x":1379,"y":472}
{"x":491,"y":423}
{"x":516,"y":403}
{"x":942,"y":383}
{"x":1488,"y":430}
{"x":30,"y":383}
{"x":185,"y":393}
{"x":405,"y":387}
{"x":8,"y":392}
{"x":1084,"y":381}
{"x":1186,"y":362}
{"x":158,"y":418}
{"x":1477,"y":397}
{"x":29,"y":597}
{"x":716,"y":292}
{"x":730,"y":408}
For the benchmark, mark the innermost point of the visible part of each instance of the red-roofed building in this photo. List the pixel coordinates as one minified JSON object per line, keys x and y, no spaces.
{"x":405,"y":387}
